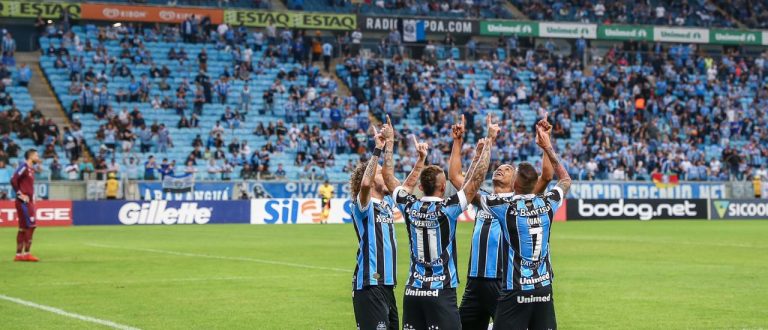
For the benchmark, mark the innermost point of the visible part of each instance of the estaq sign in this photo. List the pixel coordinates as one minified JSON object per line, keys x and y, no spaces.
{"x":25,"y":9}
{"x":299,"y":20}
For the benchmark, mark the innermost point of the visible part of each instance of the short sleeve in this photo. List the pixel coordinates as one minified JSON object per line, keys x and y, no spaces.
{"x":494,"y":204}
{"x":402,"y":198}
{"x":555,"y":197}
{"x":455,"y":205}
{"x":359,"y":204}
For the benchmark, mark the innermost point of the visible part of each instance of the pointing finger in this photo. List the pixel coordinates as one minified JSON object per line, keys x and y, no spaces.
{"x":389,"y":122}
{"x":415,"y":142}
{"x":463,"y":120}
{"x":375,"y":132}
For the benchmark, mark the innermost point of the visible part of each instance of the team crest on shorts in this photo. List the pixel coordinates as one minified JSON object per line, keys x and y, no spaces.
{"x":381,"y":326}
{"x":408,"y":327}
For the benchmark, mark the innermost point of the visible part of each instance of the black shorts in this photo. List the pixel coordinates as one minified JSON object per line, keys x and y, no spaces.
{"x":531,"y":309}
{"x":478,"y":305}
{"x":430,"y":309}
{"x":375,"y":308}
{"x":326,"y":202}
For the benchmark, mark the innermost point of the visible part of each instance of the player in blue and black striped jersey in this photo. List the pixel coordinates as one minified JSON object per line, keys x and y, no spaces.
{"x":488,"y":250}
{"x":430,"y":294}
{"x":526,"y":221}
{"x":375,"y":274}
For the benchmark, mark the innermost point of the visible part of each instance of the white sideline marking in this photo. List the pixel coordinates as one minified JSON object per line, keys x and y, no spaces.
{"x":196,"y":255}
{"x":67,"y":314}
{"x":663,"y":241}
{"x":175,"y":280}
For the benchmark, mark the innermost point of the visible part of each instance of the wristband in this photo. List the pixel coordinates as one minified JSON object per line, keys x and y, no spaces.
{"x":377,"y":152}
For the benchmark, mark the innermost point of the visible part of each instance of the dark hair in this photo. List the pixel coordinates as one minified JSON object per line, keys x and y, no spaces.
{"x":428,"y":179}
{"x":356,"y":179}
{"x":29,"y":153}
{"x":526,"y":178}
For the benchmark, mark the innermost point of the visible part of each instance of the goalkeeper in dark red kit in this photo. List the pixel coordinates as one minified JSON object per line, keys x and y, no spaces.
{"x":23,"y":182}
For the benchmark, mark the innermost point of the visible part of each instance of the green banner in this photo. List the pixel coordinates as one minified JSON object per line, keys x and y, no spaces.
{"x":28,"y":9}
{"x":735,"y":37}
{"x":684,"y":35}
{"x":521,"y":28}
{"x":300,"y":20}
{"x":625,"y":32}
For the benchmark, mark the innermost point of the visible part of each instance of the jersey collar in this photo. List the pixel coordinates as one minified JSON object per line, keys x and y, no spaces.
{"x":375,"y":200}
{"x":526,"y":196}
{"x":431,"y":199}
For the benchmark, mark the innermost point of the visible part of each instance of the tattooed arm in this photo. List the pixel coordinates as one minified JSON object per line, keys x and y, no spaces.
{"x":547,"y":172}
{"x":388,"y":170}
{"x":544,"y":142}
{"x":370,"y":171}
{"x":478,"y":169}
{"x":482,"y":160}
{"x":454,"y":163}
{"x":413,"y":177}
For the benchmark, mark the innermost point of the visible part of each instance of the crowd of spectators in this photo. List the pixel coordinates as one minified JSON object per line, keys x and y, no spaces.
{"x":435,"y":8}
{"x":658,"y":12}
{"x":668,"y":109}
{"x":301,"y":89}
{"x":624,"y":116}
{"x":753,"y":13}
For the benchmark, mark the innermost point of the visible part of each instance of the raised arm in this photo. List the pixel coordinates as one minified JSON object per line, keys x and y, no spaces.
{"x":547,"y":172}
{"x":370,"y":170}
{"x":542,"y":137}
{"x":480,"y":169}
{"x":454,"y":163}
{"x":413,"y":177}
{"x":388,"y":170}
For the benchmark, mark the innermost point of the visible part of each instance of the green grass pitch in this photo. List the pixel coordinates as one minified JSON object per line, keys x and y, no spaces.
{"x":611,"y":274}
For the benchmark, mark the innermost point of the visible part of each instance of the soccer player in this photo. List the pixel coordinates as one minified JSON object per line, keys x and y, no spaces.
{"x":326,"y":193}
{"x":430,"y":294}
{"x":23,"y":183}
{"x":486,"y":258}
{"x":373,"y":296}
{"x":526,"y":302}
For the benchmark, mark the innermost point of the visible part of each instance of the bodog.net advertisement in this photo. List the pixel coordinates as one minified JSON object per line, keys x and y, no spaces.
{"x":637,"y":209}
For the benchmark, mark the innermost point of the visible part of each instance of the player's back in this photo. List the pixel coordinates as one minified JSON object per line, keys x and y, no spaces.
{"x":486,"y":254}
{"x":526,"y":224}
{"x":431,"y":225}
{"x":377,"y":243}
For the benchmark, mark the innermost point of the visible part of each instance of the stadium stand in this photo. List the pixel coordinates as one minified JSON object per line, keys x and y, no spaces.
{"x":251,"y":4}
{"x":671,"y":110}
{"x":22,"y":126}
{"x":431,"y":8}
{"x":627,"y":114}
{"x":655,"y":12}
{"x":117,"y":90}
{"x":753,"y":14}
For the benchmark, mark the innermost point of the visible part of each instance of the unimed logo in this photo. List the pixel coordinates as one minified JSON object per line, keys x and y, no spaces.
{"x":158,"y":213}
{"x":642,"y":211}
